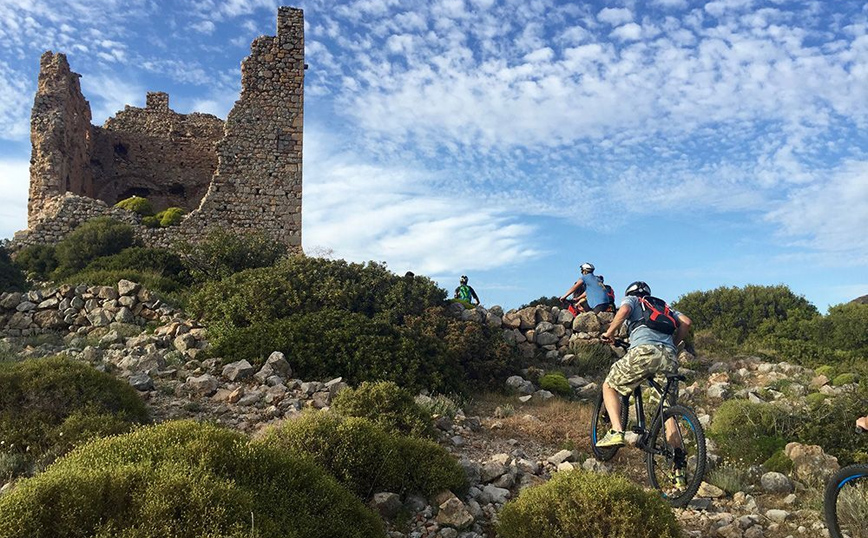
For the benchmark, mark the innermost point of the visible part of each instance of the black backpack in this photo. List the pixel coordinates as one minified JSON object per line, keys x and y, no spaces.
{"x":656,"y":315}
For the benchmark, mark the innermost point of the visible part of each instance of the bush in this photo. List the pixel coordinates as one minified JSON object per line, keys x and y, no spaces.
{"x":300,"y":285}
{"x":779,"y":463}
{"x":136,"y":204}
{"x":170,"y":217}
{"x":184,"y":480}
{"x":750,"y":433}
{"x":47,"y":406}
{"x":366,"y":459}
{"x":155,"y":268}
{"x":844,"y":379}
{"x":151,"y":221}
{"x":543,"y":301}
{"x":93,"y":239}
{"x":730,"y":479}
{"x":37,"y":261}
{"x":826,"y":370}
{"x":592,"y":359}
{"x":223,"y":253}
{"x":387,"y":405}
{"x":831,"y":427}
{"x":579,"y":503}
{"x":557,"y":383}
{"x":734,"y":314}
{"x":11,"y":277}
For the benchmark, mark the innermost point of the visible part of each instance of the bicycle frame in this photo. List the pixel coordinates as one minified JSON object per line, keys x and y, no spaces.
{"x":641,"y":428}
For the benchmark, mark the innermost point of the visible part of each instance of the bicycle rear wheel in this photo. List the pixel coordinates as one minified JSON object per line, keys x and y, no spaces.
{"x":600,"y":424}
{"x":664,"y":457}
{"x":846,"y":503}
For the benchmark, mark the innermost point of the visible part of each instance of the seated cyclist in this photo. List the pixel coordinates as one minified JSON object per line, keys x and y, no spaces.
{"x":588,"y":288}
{"x":653,"y":347}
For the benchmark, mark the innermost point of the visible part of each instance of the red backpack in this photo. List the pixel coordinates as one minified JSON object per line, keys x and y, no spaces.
{"x":657,"y":316}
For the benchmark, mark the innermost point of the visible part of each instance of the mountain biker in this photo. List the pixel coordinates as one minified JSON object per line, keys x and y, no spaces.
{"x":610,"y":293}
{"x":651,"y":352}
{"x":465,"y":292}
{"x":589,"y":287}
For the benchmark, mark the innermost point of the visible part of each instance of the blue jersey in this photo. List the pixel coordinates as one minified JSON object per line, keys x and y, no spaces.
{"x":595,"y":292}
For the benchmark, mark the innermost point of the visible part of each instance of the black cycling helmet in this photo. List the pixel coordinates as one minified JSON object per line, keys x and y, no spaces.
{"x":463,"y":279}
{"x":601,"y":279}
{"x":638,"y":288}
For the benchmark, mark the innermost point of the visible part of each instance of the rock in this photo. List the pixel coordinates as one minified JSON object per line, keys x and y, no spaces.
{"x":595,"y":466}
{"x":50,"y":319}
{"x":731,"y":530}
{"x":10,"y":300}
{"x":494,"y":494}
{"x":773,"y":482}
{"x":710,"y":491}
{"x":587,"y":322}
{"x":126,"y":287}
{"x":184,"y":342}
{"x":778,"y":516}
{"x":278,"y":363}
{"x":562,"y":456}
{"x":238,"y":370}
{"x":125,"y":315}
{"x":543,"y":395}
{"x":311,"y":387}
{"x":205,"y":384}
{"x":718,"y":390}
{"x":142,"y":382}
{"x":386,"y":504}
{"x":520,"y":384}
{"x":810,"y":463}
{"x":26,"y":306}
{"x":453,"y":513}
{"x":546,"y":339}
{"x":490,"y":471}
{"x":525,"y":399}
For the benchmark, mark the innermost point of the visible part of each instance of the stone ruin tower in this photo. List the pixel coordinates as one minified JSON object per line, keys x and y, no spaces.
{"x":243,"y":174}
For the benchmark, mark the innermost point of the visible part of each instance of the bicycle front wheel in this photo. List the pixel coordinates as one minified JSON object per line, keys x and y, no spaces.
{"x":846,"y":503}
{"x":675,"y":455}
{"x":600,"y":424}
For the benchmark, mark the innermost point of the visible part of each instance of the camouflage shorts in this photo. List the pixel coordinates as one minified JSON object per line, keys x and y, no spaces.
{"x":640,"y":362}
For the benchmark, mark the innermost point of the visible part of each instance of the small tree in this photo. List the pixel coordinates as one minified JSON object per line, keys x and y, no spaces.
{"x":224,"y":253}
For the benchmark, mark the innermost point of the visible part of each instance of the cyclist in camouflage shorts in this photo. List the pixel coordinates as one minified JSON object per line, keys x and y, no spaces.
{"x":651,"y":352}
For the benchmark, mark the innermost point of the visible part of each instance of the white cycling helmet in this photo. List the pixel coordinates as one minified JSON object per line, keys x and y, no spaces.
{"x":638,"y":288}
{"x":589,"y":267}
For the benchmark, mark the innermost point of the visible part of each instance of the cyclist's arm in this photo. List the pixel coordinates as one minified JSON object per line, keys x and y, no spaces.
{"x":683,"y":328}
{"x":579,"y":285}
{"x":620,"y":317}
{"x":473,"y":294}
{"x":863,"y":423}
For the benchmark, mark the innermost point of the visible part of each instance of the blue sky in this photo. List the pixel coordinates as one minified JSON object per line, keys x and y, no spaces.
{"x":688,"y":143}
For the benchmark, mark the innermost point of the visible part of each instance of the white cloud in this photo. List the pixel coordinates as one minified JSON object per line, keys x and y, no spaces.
{"x":615,"y":16}
{"x":205,"y":27}
{"x":16,"y":98}
{"x":14,"y":186}
{"x":628,"y":32}
{"x":363,"y":211}
{"x":671,"y":4}
{"x":109,"y":94}
{"x":830,"y":216}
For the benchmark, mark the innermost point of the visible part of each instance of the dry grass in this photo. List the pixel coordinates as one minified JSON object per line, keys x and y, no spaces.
{"x":556,"y":423}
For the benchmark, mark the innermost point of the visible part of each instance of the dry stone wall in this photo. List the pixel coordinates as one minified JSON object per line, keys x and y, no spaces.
{"x":244,"y":175}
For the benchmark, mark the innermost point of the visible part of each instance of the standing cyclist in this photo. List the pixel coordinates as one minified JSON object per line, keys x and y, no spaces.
{"x":591,"y":288}
{"x":655,"y":332}
{"x":465,"y":292}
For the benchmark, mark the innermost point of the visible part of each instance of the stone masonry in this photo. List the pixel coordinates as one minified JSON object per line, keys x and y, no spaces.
{"x":243,"y":175}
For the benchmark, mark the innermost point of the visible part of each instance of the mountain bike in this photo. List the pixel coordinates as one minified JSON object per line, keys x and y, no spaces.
{"x":845,"y":502}
{"x":674,"y":445}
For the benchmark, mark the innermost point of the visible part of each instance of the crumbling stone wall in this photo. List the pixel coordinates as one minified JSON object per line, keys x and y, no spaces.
{"x":243,"y":175}
{"x":156,"y":153}
{"x":59,"y":134}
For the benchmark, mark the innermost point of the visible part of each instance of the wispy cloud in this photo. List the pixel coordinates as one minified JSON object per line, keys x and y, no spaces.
{"x":14,"y":184}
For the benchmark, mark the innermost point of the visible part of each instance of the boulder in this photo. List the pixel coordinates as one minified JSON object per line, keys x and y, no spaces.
{"x":773,"y":482}
{"x":810,"y":463}
{"x":205,"y":384}
{"x":236,"y":371}
{"x":126,"y":287}
{"x":587,"y":322}
{"x":386,"y":504}
{"x":453,"y":513}
{"x":142,"y":382}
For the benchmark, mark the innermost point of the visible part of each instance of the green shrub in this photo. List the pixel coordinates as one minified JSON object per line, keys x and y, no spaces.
{"x":439,"y":404}
{"x":11,"y":277}
{"x":136,"y":204}
{"x":155,"y":268}
{"x":831,"y":427}
{"x":170,"y":217}
{"x":844,"y":379}
{"x":543,"y":301}
{"x":730,"y":478}
{"x":815,"y":399}
{"x":223,"y":253}
{"x":579,"y":503}
{"x":151,"y":221}
{"x":184,"y":480}
{"x":93,"y":239}
{"x":366,"y":459}
{"x":387,"y":405}
{"x":750,"y":433}
{"x":592,"y":359}
{"x":556,"y":383}
{"x":47,"y":406}
{"x":826,"y":370}
{"x":779,"y":462}
{"x":37,"y":261}
{"x":734,"y":314}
